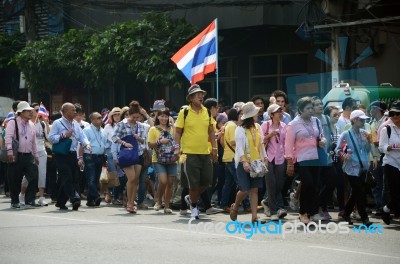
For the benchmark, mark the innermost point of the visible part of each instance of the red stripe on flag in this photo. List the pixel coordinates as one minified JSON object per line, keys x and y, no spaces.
{"x":185,"y":49}
{"x":207,"y":69}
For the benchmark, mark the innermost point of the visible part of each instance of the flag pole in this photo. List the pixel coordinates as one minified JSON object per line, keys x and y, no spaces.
{"x":216,"y":64}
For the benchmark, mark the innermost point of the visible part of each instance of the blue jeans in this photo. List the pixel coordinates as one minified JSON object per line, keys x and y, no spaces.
{"x":142,"y":185}
{"x":230,"y":184}
{"x":93,"y":165}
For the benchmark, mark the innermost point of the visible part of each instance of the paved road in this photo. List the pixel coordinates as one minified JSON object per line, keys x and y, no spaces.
{"x":110,"y":235}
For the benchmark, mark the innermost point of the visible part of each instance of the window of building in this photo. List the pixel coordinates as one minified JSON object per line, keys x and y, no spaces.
{"x":269,"y":72}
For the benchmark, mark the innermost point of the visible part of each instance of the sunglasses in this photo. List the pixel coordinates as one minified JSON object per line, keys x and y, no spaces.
{"x":391,"y":114}
{"x":336,"y":115}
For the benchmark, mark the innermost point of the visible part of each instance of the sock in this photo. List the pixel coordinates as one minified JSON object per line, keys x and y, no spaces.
{"x":386,"y":210}
{"x":194,"y":205}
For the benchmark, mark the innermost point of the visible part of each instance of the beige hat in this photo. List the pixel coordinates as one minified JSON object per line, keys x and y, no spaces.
{"x":195,"y":88}
{"x":123,"y":111}
{"x":272,"y":109}
{"x":22,"y":106}
{"x":114,"y":111}
{"x":249,"y":109}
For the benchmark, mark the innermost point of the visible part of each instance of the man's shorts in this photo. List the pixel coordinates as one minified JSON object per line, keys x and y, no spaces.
{"x":198,"y":170}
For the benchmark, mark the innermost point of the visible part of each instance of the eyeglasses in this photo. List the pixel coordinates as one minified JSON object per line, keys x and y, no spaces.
{"x":336,"y":115}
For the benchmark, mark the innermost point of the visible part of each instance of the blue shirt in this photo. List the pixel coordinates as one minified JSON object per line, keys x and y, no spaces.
{"x":61,"y":126}
{"x":97,"y":139}
{"x":352,"y":166}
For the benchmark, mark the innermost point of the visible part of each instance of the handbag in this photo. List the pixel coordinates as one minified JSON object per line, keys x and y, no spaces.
{"x":129,"y":156}
{"x":14,"y":144}
{"x":258,"y":168}
{"x":63,"y":146}
{"x":365,"y":175}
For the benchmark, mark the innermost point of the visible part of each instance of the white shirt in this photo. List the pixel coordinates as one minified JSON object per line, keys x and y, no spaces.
{"x":391,"y":157}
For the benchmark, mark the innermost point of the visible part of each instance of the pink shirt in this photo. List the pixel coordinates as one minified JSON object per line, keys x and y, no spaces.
{"x":301,"y":139}
{"x":275,"y":149}
{"x":27,"y":136}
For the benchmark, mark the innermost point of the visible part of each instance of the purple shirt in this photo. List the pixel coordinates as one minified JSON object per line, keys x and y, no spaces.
{"x":27,"y":136}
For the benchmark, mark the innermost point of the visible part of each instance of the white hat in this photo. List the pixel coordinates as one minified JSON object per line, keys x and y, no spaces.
{"x":358,"y":114}
{"x":22,"y":106}
{"x":249,"y":109}
{"x":272,"y":109}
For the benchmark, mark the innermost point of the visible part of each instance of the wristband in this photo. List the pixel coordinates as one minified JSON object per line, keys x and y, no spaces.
{"x":215,"y":148}
{"x":177,"y":146}
{"x":80,"y":158}
{"x":158,"y":142}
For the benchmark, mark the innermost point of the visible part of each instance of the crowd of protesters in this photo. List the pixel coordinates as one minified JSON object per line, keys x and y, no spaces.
{"x":251,"y":156}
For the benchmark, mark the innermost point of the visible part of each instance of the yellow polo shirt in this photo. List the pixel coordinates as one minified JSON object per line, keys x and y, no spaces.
{"x":194,"y":139}
{"x":153,"y":136}
{"x":229,"y":136}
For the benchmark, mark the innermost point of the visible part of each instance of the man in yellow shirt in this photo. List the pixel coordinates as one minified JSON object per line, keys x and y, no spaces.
{"x":192,"y":134}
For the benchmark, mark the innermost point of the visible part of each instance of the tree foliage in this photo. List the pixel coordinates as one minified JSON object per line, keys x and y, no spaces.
{"x":142,"y":48}
{"x":10,"y":45}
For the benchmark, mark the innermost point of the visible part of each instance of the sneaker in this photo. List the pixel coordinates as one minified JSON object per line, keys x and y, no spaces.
{"x":32,"y":205}
{"x":274,"y":217}
{"x":385,"y":217}
{"x":281,"y":213}
{"x":366,"y":222}
{"x":326,"y":215}
{"x":167,"y":211}
{"x":317,"y":217}
{"x":341,"y":213}
{"x":267,"y":211}
{"x":187,"y":200}
{"x":347,"y":219}
{"x":294,"y":203}
{"x":213,"y":210}
{"x":356,"y":215}
{"x":14,"y":206}
{"x":149,"y":196}
{"x":142,"y":206}
{"x":76,"y":205}
{"x":194,"y":213}
{"x":116,"y":202}
{"x":21,"y":198}
{"x":184,"y":212}
{"x":42,"y":202}
{"x":157,"y":207}
{"x":97,"y":202}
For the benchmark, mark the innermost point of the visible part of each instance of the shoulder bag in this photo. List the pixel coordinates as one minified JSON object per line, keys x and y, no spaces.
{"x":14,"y":143}
{"x":63,"y":146}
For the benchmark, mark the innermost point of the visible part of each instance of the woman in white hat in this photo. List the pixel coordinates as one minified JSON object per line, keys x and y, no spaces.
{"x":274,"y":131}
{"x":249,"y":147}
{"x":114,"y":118}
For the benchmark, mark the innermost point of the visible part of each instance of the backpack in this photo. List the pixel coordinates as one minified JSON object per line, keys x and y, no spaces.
{"x":165,"y":152}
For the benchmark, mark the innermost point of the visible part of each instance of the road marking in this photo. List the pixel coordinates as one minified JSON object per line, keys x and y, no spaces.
{"x":139,"y":226}
{"x":64,"y":218}
{"x":356,"y":252}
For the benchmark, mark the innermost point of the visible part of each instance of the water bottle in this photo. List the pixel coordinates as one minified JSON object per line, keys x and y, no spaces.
{"x":82,"y":167}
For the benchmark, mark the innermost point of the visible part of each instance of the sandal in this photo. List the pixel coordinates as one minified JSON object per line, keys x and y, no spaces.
{"x":233,"y":213}
{"x":255,"y":221}
{"x":131,"y":209}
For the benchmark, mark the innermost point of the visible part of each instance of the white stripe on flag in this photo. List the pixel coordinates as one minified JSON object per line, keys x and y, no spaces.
{"x":208,"y":60}
{"x":189,"y":56}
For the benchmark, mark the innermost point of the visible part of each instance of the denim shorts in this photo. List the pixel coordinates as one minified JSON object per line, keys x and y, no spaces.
{"x":245,"y":182}
{"x":169,"y":169}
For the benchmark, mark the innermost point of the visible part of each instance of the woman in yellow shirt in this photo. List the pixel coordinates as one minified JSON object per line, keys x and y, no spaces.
{"x":160,"y":139}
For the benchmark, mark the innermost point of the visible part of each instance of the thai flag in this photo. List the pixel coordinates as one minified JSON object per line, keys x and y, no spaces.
{"x":199,"y":56}
{"x":105,"y":117}
{"x":43,"y":111}
{"x":9,"y":116}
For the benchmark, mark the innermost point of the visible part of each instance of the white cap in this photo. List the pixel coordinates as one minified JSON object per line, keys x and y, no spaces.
{"x":358,"y":114}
